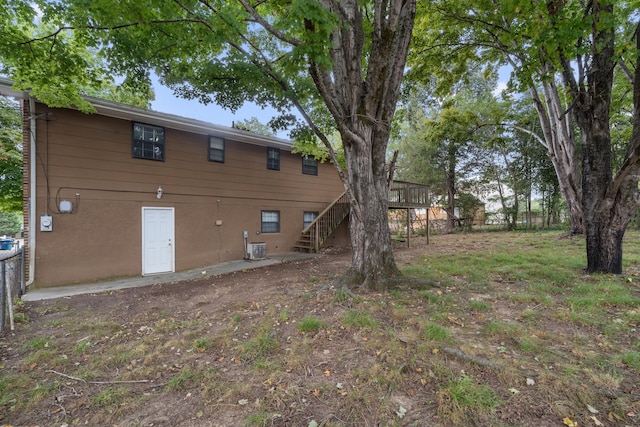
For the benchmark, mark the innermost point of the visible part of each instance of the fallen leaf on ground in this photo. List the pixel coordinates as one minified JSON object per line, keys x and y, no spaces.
{"x":596,"y":421}
{"x":401,"y":412}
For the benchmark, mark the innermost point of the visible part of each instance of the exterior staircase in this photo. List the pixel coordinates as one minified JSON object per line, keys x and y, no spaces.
{"x":325,"y":223}
{"x":402,"y":195}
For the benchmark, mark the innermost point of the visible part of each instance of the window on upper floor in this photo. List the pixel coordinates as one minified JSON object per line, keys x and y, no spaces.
{"x":307,"y":218}
{"x":147,"y":142}
{"x":309,"y":166}
{"x":273,"y":158}
{"x":216,"y":149}
{"x":270,"y":222}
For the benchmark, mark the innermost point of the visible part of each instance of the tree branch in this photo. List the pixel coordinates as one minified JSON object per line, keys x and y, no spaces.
{"x":263,"y":22}
{"x":522,"y":129}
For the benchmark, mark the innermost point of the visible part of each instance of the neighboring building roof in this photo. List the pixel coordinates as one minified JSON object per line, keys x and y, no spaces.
{"x":128,"y":112}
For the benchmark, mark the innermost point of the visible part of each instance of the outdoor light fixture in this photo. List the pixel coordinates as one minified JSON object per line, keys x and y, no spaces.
{"x":159,"y":192}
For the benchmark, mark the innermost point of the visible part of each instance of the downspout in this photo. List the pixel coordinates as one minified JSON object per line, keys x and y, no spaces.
{"x":32,"y":191}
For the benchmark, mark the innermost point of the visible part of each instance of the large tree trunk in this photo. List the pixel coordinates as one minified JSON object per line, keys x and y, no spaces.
{"x":606,"y":226}
{"x":360,"y":89}
{"x":608,"y":202}
{"x":372,"y":264}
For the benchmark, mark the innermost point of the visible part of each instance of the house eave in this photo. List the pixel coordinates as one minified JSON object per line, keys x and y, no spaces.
{"x":131,"y":113}
{"x":6,"y":89}
{"x":127,"y":112}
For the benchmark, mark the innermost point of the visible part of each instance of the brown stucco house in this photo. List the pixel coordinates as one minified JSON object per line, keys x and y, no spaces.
{"x":127,"y":191}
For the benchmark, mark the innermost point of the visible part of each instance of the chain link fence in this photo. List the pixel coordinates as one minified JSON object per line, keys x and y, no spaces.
{"x":12,"y":283}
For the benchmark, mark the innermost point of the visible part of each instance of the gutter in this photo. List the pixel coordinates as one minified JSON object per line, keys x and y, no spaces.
{"x":32,"y":190}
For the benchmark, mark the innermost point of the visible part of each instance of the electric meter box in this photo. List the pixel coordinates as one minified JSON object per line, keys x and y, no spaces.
{"x":46,"y":223}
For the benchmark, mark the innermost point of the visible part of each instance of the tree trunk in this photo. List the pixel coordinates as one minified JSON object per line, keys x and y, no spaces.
{"x":372,"y":262}
{"x":560,"y":142}
{"x":451,"y":188}
{"x":608,"y":202}
{"x":606,"y":227}
{"x":360,"y":89}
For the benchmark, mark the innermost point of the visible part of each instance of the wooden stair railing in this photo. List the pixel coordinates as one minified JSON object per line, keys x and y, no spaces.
{"x":323,"y":225}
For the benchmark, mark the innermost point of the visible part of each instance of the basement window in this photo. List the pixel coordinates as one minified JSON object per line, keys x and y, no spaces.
{"x":270,"y":222}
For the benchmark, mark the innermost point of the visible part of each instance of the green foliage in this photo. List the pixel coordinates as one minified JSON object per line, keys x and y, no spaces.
{"x":467,"y":395}
{"x":111,"y":396}
{"x":254,"y":125}
{"x":341,"y":296}
{"x":58,"y":65}
{"x":198,"y":52}
{"x":83,"y":346}
{"x":202,"y":344}
{"x":10,"y":158}
{"x":10,"y":223}
{"x":632,"y":359}
{"x":310,"y":324}
{"x":184,"y":379}
{"x":37,"y":343}
{"x":362,"y":319}
{"x":479,"y":306}
{"x":260,"y":345}
{"x":435,"y":332}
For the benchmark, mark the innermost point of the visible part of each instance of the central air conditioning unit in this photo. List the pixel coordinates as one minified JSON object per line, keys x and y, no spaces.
{"x":256,"y":251}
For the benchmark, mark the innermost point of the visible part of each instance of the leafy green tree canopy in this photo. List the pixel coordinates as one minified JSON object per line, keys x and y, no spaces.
{"x":10,"y":156}
{"x":58,"y":66}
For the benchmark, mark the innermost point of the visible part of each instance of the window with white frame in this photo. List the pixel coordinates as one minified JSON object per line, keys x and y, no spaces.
{"x":216,"y":149}
{"x":147,"y":142}
{"x":270,"y":222}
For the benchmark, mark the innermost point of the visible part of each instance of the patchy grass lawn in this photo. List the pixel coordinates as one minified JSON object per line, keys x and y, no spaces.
{"x":516,"y":335}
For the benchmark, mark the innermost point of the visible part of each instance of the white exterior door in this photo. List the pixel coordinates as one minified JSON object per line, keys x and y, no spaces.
{"x":158,"y":249}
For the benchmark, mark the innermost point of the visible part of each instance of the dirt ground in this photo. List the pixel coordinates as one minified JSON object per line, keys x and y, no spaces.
{"x":190,"y":354}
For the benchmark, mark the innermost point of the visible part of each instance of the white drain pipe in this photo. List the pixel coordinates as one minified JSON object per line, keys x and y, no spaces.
{"x":32,"y":190}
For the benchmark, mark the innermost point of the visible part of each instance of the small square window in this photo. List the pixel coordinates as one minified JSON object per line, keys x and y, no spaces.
{"x":216,"y":149}
{"x":270,"y":222}
{"x":273,"y":158}
{"x":147,"y":142}
{"x":309,"y":166}
{"x":307,"y":218}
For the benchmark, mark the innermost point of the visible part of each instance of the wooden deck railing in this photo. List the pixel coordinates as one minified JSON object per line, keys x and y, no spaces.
{"x":401,"y":195}
{"x":324,"y":224}
{"x":408,"y":195}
